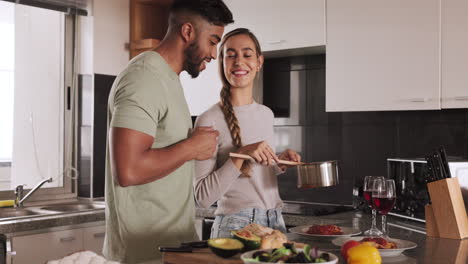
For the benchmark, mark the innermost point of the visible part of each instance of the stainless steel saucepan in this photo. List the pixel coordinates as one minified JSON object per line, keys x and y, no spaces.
{"x":317,"y":174}
{"x":309,"y":175}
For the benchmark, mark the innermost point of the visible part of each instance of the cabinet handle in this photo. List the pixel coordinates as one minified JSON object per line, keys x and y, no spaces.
{"x":420,"y":100}
{"x":9,"y":253}
{"x":67,"y":239}
{"x":276,"y":41}
{"x":9,"y":256}
{"x":97,"y":235}
{"x":461,"y":98}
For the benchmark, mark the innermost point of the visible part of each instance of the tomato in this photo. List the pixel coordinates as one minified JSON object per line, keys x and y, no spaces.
{"x":346,"y":246}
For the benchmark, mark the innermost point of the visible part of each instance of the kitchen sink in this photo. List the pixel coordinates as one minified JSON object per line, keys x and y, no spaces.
{"x":16,"y":212}
{"x":7,"y":214}
{"x":73,"y":207}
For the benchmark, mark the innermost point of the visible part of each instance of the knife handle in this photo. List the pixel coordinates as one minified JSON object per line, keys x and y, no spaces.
{"x":443,"y":156}
{"x":176,"y":249}
{"x":195,"y":244}
{"x":431,"y":168}
{"x":435,"y":159}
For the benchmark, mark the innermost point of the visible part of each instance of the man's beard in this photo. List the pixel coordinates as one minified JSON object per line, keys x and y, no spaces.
{"x":192,"y":61}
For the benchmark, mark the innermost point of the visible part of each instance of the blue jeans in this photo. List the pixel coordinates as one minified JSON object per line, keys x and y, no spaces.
{"x":223,"y":224}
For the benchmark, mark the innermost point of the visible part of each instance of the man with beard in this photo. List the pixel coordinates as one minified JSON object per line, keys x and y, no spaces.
{"x":149,"y":168}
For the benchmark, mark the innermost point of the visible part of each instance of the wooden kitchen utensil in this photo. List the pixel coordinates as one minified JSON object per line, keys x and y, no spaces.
{"x":449,"y":209}
{"x":247,"y":157}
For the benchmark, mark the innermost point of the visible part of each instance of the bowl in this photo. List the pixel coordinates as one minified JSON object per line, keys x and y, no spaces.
{"x":248,"y":255}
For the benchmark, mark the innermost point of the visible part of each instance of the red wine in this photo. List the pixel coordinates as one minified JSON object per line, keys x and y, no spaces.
{"x":368,"y":197}
{"x":383,"y":204}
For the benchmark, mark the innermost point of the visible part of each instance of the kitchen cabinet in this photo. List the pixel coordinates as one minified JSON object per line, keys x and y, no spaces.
{"x":383,"y":55}
{"x":148,"y":24}
{"x":39,"y":248}
{"x":454,"y":54}
{"x":45,"y":246}
{"x":93,"y":238}
{"x":280,"y":24}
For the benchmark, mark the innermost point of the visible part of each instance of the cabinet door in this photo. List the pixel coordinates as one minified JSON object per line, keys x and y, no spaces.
{"x":93,"y":238}
{"x":41,"y":248}
{"x":382,"y":55}
{"x":280,"y":24}
{"x":454,"y":54}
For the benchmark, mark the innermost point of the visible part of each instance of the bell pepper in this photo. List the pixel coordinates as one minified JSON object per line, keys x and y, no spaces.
{"x":364,"y":254}
{"x":346,"y":246}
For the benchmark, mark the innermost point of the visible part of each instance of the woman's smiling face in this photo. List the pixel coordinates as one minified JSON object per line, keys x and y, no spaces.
{"x":241,"y":61}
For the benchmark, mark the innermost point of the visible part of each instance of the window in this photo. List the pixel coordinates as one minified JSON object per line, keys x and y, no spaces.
{"x":7,"y":66}
{"x":34,"y":74}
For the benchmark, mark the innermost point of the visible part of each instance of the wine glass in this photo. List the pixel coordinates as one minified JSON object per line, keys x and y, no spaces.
{"x":368,"y":190}
{"x":383,"y":200}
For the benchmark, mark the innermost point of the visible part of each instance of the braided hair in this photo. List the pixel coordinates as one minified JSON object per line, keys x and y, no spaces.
{"x":225,"y":94}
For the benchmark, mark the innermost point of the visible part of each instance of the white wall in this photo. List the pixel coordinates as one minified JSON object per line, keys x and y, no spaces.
{"x":203,"y":91}
{"x":111,"y":33}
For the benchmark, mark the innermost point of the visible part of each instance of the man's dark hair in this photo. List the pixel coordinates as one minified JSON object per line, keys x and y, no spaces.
{"x":214,"y":11}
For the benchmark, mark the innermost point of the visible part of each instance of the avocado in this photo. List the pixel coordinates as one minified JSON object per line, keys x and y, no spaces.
{"x":225,"y":247}
{"x":250,"y":241}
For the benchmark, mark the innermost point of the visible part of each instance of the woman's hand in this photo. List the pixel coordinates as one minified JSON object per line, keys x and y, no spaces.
{"x":290,"y":155}
{"x":260,"y":151}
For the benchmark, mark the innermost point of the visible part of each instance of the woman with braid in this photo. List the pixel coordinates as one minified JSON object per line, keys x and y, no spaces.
{"x":246,"y":192}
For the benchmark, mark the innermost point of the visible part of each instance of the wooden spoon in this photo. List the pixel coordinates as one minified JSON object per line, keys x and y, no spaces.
{"x":247,"y":157}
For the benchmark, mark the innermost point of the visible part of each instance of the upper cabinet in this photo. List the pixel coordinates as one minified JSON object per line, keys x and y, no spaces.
{"x":454,"y":54}
{"x":280,"y":24}
{"x":148,"y":24}
{"x":383,"y":55}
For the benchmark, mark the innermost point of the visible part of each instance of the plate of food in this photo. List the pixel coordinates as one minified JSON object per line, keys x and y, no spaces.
{"x":324,"y":231}
{"x":266,"y":245}
{"x":288,"y":253}
{"x":387,"y":247}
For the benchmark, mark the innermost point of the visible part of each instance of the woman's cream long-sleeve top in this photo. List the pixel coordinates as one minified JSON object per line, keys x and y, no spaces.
{"x":217,"y":179}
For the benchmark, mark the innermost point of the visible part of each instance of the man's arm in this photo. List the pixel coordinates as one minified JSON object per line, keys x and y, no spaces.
{"x":134,"y":162}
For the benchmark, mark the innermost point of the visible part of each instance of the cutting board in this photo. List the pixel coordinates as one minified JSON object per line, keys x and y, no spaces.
{"x":198,"y":256}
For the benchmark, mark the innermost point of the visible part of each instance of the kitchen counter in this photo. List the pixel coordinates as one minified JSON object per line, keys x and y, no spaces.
{"x":429,"y":250}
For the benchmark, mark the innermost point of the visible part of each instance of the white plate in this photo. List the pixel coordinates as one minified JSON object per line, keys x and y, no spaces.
{"x":247,"y":255}
{"x":302,"y":230}
{"x":401,"y":244}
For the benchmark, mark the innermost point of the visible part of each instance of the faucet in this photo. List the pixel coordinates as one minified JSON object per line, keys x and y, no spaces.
{"x":19,"y":192}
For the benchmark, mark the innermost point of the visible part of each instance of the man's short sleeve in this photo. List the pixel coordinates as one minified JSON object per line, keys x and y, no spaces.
{"x":135,"y":104}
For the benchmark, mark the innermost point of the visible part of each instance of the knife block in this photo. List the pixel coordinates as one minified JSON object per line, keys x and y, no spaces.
{"x":431,"y":226}
{"x":449,"y":212}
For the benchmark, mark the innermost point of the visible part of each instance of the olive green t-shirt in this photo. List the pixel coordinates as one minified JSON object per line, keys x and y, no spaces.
{"x":148,"y":97}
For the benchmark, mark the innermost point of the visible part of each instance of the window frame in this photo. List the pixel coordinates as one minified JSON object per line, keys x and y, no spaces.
{"x":69,"y":188}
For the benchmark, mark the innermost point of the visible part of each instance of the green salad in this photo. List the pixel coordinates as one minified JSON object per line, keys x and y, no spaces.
{"x":289,"y":254}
